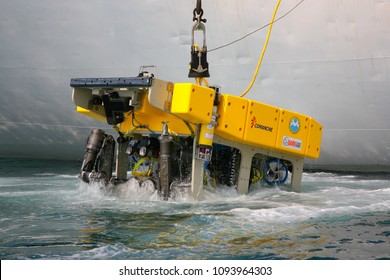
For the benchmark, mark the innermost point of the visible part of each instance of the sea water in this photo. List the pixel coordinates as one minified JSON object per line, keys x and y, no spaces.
{"x":47,"y":213}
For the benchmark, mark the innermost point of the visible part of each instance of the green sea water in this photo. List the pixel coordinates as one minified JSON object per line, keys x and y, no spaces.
{"x":47,"y":213}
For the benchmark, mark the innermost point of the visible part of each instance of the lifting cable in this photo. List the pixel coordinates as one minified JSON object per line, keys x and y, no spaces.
{"x":257,"y":30}
{"x":262,"y":52}
{"x":197,"y":16}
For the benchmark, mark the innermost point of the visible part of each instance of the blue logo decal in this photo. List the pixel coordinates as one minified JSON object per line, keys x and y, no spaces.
{"x":294,"y":125}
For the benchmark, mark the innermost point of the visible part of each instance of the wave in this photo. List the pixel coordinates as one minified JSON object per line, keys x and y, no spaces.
{"x":48,"y":174}
{"x":271,"y":205}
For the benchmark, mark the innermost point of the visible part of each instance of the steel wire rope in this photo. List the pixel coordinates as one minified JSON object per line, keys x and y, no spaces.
{"x":258,"y":29}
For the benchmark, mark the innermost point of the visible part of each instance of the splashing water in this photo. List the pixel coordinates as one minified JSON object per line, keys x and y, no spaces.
{"x":46,"y":213}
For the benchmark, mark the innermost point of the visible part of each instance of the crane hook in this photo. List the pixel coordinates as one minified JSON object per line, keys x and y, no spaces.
{"x":198,"y":12}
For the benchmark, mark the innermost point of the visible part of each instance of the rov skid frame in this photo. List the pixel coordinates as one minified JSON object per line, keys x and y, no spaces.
{"x":192,"y":135}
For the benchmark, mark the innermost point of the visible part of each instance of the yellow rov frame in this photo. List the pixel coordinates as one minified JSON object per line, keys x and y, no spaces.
{"x":149,"y":105}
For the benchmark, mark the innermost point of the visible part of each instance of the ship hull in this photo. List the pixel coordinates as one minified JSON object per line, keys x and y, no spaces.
{"x":328,"y":59}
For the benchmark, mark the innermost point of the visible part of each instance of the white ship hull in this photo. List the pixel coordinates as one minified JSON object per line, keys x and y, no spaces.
{"x":326,"y":59}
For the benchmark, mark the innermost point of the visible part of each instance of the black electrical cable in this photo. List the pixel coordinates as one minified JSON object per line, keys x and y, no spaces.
{"x":140,"y":126}
{"x":257,"y":30}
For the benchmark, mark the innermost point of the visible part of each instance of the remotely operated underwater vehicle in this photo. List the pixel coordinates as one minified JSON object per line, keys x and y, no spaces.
{"x":185,"y":134}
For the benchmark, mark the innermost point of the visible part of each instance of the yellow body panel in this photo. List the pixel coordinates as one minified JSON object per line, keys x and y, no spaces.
{"x":149,"y":116}
{"x":314,"y":139}
{"x":192,"y":102}
{"x":232,"y":112}
{"x":293,"y":132}
{"x":238,"y":119}
{"x":262,"y":123}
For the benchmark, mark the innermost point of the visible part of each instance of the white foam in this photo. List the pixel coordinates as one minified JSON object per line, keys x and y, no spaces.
{"x":327,"y":197}
{"x":132,"y":190}
{"x":117,"y":251}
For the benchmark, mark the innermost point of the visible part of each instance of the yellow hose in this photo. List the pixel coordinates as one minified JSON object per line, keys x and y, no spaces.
{"x":138,"y":164}
{"x":263,"y":52}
